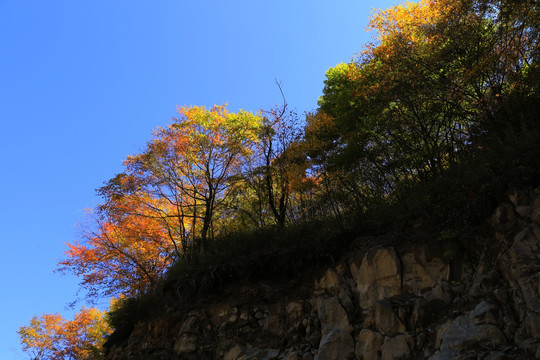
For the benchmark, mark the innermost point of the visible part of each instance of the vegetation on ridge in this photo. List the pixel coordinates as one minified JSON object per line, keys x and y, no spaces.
{"x":433,"y":120}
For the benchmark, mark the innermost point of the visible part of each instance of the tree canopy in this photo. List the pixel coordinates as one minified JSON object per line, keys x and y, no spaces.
{"x":442,"y":82}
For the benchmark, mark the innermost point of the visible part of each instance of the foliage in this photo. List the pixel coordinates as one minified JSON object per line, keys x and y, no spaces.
{"x":163,"y":207}
{"x":427,"y":125}
{"x":50,"y":336}
{"x":440,"y":80}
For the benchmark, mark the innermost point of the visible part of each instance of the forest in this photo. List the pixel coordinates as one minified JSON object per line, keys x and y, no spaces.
{"x":432,"y":120}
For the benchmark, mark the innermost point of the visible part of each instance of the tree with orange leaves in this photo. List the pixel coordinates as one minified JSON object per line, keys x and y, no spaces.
{"x":126,"y":251}
{"x":52,"y":337}
{"x":162,"y":208}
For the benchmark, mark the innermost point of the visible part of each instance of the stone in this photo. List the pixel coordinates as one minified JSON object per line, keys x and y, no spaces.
{"x":461,"y":334}
{"x":396,"y":347}
{"x":188,"y":324}
{"x":293,"y":355}
{"x":260,"y":354}
{"x":532,"y":325}
{"x":497,"y":355}
{"x":501,"y":296}
{"x":386,"y":320}
{"x":331,"y":315}
{"x":519,"y":265}
{"x":368,"y":344}
{"x":378,"y":276}
{"x":330,"y":282}
{"x":523,"y":211}
{"x":271,"y":323}
{"x":419,"y":273}
{"x":535,"y":215}
{"x":485,"y":313}
{"x":336,"y":344}
{"x":333,"y":283}
{"x":441,"y":291}
{"x":519,"y":197}
{"x":185,"y":344}
{"x":503,"y":218}
{"x":234,"y":353}
{"x":294,"y":310}
{"x":425,"y":312}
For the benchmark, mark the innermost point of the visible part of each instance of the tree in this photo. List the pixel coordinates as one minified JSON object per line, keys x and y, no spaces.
{"x":428,"y":89}
{"x":282,"y":164}
{"x":190,"y":167}
{"x":50,"y":336}
{"x":276,"y":171}
{"x":126,"y":251}
{"x":163,"y":207}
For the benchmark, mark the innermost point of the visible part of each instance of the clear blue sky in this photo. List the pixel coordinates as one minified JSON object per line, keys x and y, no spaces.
{"x":83,"y":83}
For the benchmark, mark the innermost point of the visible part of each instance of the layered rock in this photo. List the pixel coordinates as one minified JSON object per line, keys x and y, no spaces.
{"x":409,"y":301}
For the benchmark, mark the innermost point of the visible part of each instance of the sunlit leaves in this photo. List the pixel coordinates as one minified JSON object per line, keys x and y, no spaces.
{"x":162,"y":208}
{"x":50,"y":336}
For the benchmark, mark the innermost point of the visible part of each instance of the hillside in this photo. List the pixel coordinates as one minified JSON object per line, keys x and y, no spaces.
{"x":398,"y":220}
{"x":472,"y":297}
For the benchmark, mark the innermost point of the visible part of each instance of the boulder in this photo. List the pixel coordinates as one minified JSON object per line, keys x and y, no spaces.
{"x":420,"y":273}
{"x":260,"y":354}
{"x":368,"y":344}
{"x":462,"y":333}
{"x":386,"y":320}
{"x":398,"y":347}
{"x":485,"y":313}
{"x":336,"y":344}
{"x":185,"y":344}
{"x":535,"y":215}
{"x":378,"y":276}
{"x":520,"y":266}
{"x":333,"y":283}
{"x":504,"y":218}
{"x":234,"y":353}
{"x":331,"y":315}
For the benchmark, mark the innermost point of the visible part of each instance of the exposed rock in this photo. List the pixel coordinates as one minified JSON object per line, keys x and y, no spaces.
{"x":504,"y":218}
{"x":420,"y":274}
{"x":260,"y":354}
{"x":523,"y":211}
{"x":461,"y":333}
{"x":234,"y":353}
{"x":425,"y":312}
{"x":336,"y":344}
{"x":485,"y":313}
{"x":368,"y":344}
{"x":535,"y":215}
{"x":335,"y":285}
{"x":378,"y":277}
{"x":185,"y":344}
{"x":331,"y":315}
{"x":398,"y":347}
{"x":408,"y":301}
{"x":293,"y":355}
{"x":386,"y":320}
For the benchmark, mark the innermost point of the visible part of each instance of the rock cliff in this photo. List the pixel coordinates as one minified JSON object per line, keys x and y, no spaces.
{"x":472,"y":298}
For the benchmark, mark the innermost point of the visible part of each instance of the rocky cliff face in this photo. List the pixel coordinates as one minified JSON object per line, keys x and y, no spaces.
{"x":388,"y":300}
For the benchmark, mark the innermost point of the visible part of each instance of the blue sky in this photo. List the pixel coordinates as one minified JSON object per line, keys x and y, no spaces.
{"x":83,"y":83}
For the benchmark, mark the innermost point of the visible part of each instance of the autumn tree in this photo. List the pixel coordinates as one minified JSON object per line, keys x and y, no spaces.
{"x":163,"y":207}
{"x":126,"y":250}
{"x":429,"y":87}
{"x":275,"y":173}
{"x":50,"y":336}
{"x":281,"y":161}
{"x":190,"y":168}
